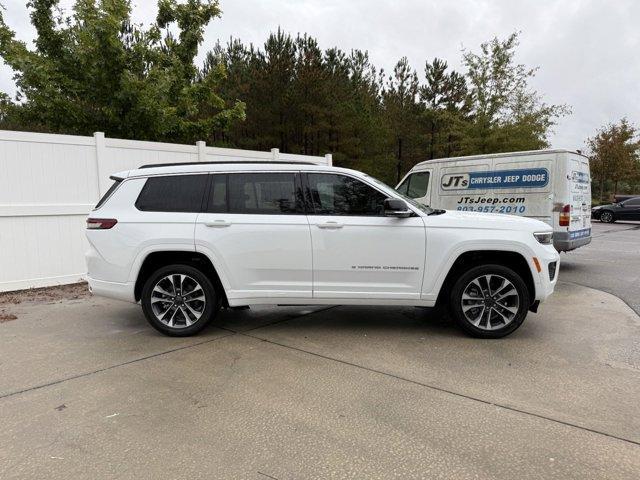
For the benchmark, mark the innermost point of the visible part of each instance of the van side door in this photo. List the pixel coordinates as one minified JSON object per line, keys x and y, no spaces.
{"x":255,"y":230}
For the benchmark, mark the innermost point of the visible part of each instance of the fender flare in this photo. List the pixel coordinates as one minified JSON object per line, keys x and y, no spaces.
{"x":479,"y":246}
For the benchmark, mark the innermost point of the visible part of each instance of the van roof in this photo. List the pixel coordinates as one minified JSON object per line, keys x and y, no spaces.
{"x":499,"y":155}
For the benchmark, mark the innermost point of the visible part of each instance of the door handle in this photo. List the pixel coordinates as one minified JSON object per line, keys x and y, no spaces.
{"x":217,"y":224}
{"x":330,"y":224}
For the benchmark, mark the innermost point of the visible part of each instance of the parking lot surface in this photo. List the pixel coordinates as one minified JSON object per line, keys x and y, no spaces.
{"x":88,"y":390}
{"x":610,"y":263}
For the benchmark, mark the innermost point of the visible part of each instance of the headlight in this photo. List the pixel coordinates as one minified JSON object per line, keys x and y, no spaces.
{"x":544,"y":238}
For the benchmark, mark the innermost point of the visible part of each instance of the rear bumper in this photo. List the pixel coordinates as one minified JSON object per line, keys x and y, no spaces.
{"x":565,"y":241}
{"x":118,"y":291}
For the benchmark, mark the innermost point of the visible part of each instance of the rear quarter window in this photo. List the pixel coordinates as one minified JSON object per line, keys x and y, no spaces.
{"x":173,"y":193}
{"x":108,"y":193}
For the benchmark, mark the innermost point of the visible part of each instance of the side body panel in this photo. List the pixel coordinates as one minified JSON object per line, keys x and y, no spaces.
{"x":258,"y":255}
{"x":114,"y":254}
{"x":367,"y":257}
{"x":445,"y":245}
{"x":519,"y":185}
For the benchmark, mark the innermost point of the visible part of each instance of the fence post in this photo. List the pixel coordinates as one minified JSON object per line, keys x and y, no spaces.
{"x":329,"y":158}
{"x":275,"y":154}
{"x":202,"y":152}
{"x":98,"y":137}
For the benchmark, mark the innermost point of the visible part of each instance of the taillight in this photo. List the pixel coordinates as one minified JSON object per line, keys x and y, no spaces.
{"x":565,"y":216}
{"x":101,"y":223}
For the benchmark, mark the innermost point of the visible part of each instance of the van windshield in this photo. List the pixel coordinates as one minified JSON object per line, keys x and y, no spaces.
{"x":411,"y":201}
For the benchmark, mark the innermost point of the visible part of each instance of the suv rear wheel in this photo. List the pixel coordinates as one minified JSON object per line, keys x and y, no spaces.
{"x":179,"y":300}
{"x":490,"y":301}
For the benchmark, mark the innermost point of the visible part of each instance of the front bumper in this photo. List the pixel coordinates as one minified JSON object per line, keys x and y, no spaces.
{"x":544,"y":283}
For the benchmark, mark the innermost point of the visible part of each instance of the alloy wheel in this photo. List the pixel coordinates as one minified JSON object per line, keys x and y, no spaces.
{"x":606,"y":217}
{"x":490,"y":302}
{"x":178,"y":300}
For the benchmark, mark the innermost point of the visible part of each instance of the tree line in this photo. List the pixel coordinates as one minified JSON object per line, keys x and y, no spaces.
{"x":96,"y":70}
{"x":615,"y":160}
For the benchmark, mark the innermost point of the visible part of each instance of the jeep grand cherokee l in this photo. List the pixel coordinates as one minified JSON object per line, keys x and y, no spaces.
{"x":185,"y":239}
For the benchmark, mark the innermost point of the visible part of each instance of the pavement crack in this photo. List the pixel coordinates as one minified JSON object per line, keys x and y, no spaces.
{"x":157,"y":354}
{"x":444,"y":390}
{"x":110,"y":367}
{"x":267,"y":475}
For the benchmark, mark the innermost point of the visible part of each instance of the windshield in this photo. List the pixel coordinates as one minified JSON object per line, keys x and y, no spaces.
{"x":410,"y":201}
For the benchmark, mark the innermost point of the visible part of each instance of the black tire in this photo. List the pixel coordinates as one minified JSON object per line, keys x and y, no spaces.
{"x":208,"y":310}
{"x":495,"y":318}
{"x":607,"y":216}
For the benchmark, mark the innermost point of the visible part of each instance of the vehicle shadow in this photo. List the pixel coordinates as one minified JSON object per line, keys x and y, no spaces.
{"x":567,"y":265}
{"x":337,"y":318}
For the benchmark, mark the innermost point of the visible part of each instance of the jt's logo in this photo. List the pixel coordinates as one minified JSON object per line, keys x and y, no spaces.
{"x":457,"y":181}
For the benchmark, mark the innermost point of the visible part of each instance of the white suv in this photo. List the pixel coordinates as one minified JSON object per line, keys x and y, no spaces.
{"x":186,"y":239}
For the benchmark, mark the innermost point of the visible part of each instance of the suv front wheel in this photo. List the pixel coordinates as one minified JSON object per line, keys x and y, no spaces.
{"x":179,"y":300}
{"x":490,"y":301}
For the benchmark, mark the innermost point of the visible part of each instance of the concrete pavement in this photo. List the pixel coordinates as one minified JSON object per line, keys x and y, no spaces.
{"x":88,"y":390}
{"x":611,"y":262}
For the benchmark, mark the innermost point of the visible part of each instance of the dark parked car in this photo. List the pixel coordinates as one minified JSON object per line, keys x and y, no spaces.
{"x":627,"y":210}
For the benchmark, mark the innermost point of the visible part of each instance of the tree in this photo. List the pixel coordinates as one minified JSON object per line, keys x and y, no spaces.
{"x":615,"y":154}
{"x":507,"y":114}
{"x":447,"y":105}
{"x":95,"y":70}
{"x":401,"y":107}
{"x":304,"y":100}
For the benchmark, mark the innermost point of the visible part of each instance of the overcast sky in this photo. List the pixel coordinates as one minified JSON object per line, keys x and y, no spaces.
{"x":588,"y":51}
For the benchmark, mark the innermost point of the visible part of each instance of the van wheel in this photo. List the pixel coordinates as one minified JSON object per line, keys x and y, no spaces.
{"x":489,"y":301}
{"x":179,"y":300}
{"x":607,"y":217}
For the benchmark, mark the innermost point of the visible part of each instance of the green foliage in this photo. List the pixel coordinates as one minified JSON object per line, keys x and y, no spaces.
{"x":507,"y":114}
{"x":615,"y":158}
{"x":96,"y":71}
{"x":307,"y":101}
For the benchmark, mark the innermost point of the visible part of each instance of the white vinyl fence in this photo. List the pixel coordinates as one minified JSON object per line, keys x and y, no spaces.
{"x":49,"y":184}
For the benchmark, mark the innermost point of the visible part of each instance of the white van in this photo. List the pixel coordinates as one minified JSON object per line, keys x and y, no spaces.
{"x":549,"y":185}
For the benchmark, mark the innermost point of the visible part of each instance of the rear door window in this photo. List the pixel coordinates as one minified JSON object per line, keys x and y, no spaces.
{"x":172,"y":193}
{"x":264,"y":193}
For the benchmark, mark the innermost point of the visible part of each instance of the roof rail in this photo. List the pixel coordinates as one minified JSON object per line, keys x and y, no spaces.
{"x":176,"y":164}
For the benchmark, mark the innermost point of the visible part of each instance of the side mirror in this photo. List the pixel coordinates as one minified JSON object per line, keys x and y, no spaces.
{"x":394,"y":207}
